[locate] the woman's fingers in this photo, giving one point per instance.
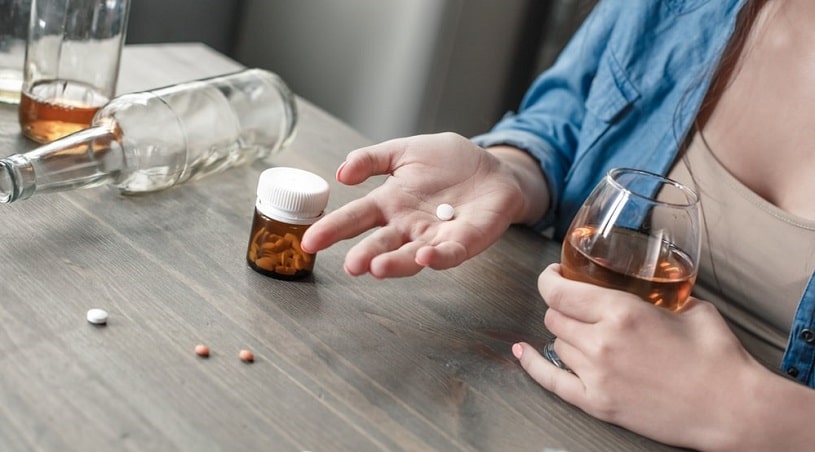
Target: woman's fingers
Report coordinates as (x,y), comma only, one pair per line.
(566,328)
(567,296)
(375,160)
(384,253)
(362,214)
(445,255)
(563,383)
(581,301)
(349,221)
(398,263)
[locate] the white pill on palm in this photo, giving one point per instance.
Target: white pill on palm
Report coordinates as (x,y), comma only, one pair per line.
(445,212)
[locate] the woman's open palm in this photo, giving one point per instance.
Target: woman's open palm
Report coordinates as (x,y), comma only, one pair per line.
(424,171)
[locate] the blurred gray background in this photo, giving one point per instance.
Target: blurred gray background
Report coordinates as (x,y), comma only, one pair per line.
(388,68)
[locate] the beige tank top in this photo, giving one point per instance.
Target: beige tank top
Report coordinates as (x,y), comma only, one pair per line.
(754,277)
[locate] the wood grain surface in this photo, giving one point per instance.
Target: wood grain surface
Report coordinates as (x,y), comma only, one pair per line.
(341,363)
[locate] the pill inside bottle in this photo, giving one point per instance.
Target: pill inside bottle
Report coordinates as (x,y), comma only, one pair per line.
(289,200)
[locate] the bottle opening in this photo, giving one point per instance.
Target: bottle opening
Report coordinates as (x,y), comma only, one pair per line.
(6,183)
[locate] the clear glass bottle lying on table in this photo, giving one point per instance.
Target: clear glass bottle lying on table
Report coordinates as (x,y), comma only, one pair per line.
(149,141)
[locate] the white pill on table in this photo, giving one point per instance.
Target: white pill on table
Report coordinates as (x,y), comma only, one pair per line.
(97,316)
(445,212)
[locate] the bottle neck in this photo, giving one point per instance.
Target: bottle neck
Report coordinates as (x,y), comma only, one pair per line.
(87,158)
(16,174)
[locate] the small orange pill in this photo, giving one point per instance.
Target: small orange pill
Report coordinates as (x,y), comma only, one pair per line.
(246,356)
(202,350)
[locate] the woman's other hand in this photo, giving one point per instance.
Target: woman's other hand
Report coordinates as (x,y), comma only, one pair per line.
(679,377)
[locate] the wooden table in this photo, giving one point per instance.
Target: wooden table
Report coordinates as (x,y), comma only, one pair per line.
(342,363)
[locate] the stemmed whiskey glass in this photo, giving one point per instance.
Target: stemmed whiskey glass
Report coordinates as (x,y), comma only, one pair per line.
(638,232)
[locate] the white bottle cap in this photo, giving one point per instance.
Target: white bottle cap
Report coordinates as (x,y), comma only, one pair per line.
(291,195)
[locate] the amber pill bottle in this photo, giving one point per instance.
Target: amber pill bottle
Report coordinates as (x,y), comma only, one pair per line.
(289,200)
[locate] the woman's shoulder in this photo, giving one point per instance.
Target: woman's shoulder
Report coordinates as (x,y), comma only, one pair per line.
(651,40)
(667,6)
(638,15)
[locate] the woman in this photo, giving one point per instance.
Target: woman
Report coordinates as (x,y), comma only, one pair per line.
(717,94)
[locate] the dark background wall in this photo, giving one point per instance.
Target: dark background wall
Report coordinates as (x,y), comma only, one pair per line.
(213,22)
(387,67)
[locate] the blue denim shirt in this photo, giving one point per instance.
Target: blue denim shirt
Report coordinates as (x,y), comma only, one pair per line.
(624,93)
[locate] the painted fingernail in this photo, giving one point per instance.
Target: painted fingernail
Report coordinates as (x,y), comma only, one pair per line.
(339,170)
(517,350)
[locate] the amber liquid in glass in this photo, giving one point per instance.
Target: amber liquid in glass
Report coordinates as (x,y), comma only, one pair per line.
(663,276)
(58,108)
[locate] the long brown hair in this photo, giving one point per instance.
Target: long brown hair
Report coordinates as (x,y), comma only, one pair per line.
(729,62)
(720,75)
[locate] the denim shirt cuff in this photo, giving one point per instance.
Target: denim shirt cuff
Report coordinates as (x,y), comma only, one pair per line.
(554,170)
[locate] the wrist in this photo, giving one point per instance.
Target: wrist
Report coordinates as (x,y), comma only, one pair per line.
(531,184)
(770,412)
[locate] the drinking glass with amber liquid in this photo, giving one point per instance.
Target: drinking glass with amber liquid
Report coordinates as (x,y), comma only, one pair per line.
(71,67)
(637,232)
